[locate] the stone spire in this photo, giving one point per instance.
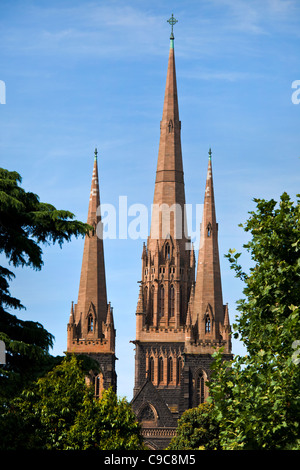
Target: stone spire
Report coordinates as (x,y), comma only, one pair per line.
(92,296)
(169,183)
(91,328)
(208,301)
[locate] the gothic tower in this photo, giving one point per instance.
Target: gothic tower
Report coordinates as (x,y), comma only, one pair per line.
(91,326)
(178,321)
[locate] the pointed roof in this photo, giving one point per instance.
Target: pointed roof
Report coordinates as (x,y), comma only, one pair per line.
(71,319)
(94,194)
(209,210)
(92,287)
(226,316)
(110,317)
(169,183)
(188,322)
(171,109)
(208,289)
(148,393)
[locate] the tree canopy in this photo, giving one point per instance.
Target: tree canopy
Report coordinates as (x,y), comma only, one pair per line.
(256,398)
(197,429)
(59,412)
(25,225)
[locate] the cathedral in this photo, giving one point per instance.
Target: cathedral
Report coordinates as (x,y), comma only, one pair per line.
(180,315)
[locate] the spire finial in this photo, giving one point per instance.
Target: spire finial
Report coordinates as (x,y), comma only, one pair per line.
(209,154)
(96,153)
(172,21)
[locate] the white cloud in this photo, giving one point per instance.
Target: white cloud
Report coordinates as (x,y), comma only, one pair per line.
(89,28)
(256,16)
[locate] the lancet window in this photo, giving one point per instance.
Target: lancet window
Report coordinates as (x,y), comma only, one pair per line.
(207,324)
(161,300)
(160,370)
(200,384)
(170,370)
(172,301)
(167,251)
(90,323)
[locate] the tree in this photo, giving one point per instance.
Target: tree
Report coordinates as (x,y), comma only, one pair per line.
(105,424)
(27,344)
(25,225)
(256,397)
(59,412)
(197,429)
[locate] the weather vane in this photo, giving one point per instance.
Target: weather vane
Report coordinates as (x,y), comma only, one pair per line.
(172,21)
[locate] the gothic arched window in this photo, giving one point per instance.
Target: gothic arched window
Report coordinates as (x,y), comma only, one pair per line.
(160,370)
(200,385)
(162,300)
(151,369)
(181,305)
(170,370)
(207,324)
(172,301)
(167,251)
(147,414)
(146,298)
(98,384)
(90,322)
(151,303)
(179,368)
(209,230)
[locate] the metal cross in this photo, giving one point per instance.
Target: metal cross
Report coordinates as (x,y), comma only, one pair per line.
(172,21)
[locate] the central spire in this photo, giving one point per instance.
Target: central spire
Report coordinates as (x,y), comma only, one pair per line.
(167,260)
(169,193)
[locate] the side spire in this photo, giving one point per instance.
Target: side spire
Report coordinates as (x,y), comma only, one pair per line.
(208,298)
(92,287)
(91,328)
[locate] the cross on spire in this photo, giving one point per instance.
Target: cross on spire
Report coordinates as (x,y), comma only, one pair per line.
(172,21)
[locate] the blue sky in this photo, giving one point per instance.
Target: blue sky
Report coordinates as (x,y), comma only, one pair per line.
(82,74)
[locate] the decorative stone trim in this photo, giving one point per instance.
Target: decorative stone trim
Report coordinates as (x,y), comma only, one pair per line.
(158,432)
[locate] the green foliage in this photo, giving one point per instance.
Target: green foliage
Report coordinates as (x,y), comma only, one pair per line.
(59,412)
(105,424)
(41,416)
(25,224)
(27,356)
(256,397)
(197,429)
